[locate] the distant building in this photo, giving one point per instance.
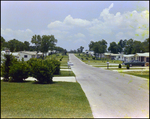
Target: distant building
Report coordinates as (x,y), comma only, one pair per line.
(89,52)
(142,57)
(129,57)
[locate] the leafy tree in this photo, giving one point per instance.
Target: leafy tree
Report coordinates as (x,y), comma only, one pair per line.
(91,45)
(129,46)
(36,39)
(60,49)
(26,45)
(121,45)
(81,48)
(15,45)
(3,43)
(32,48)
(137,47)
(78,50)
(48,42)
(145,45)
(113,47)
(8,61)
(99,46)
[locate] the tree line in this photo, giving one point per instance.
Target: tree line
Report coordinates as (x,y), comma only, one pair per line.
(127,46)
(41,43)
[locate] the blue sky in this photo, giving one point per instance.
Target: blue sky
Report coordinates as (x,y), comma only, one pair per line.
(75,23)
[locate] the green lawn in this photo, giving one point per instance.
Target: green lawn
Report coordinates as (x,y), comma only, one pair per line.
(90,61)
(57,100)
(65,73)
(144,74)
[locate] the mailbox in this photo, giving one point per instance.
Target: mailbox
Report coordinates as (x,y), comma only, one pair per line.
(107,65)
(70,64)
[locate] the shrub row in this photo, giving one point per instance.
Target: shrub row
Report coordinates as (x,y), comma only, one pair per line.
(42,70)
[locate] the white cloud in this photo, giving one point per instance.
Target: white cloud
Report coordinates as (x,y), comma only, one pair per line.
(76,22)
(115,25)
(80,41)
(21,35)
(58,25)
(105,13)
(79,35)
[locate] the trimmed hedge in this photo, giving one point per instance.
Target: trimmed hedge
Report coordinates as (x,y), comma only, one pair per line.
(128,67)
(43,71)
(19,71)
(57,66)
(119,66)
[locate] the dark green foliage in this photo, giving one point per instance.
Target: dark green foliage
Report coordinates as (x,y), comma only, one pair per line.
(82,58)
(31,60)
(43,71)
(86,58)
(128,67)
(19,71)
(8,61)
(119,66)
(56,65)
(93,58)
(61,58)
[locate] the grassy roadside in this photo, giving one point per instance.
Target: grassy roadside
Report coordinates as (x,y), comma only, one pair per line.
(63,64)
(144,74)
(102,63)
(65,73)
(57,100)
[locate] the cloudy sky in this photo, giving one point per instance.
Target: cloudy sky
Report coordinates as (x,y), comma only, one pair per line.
(75,23)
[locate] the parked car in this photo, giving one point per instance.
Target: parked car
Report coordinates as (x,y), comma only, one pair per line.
(134,63)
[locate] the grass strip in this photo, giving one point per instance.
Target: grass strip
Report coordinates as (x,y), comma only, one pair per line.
(143,74)
(65,73)
(57,100)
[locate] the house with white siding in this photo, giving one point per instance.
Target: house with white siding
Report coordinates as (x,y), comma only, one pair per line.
(22,54)
(113,56)
(89,52)
(143,57)
(129,57)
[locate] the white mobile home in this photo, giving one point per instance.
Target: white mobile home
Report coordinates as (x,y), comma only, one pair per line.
(142,57)
(89,52)
(129,57)
(27,55)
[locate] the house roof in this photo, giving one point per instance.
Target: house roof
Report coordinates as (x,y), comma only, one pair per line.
(107,53)
(111,54)
(130,55)
(146,54)
(114,54)
(15,53)
(40,53)
(29,52)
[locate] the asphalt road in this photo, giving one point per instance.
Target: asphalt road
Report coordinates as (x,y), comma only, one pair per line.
(112,94)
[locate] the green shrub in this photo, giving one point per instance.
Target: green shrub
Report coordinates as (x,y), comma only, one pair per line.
(19,71)
(31,60)
(5,67)
(61,58)
(86,58)
(128,67)
(119,66)
(56,66)
(43,71)
(93,58)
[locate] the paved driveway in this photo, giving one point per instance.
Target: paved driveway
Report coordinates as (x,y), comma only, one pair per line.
(112,94)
